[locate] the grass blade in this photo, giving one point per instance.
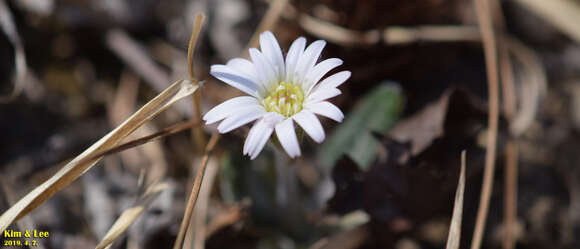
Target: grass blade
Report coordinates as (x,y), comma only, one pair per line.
(130,215)
(455,228)
(79,165)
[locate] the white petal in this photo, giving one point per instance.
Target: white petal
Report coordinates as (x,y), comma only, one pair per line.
(235,79)
(320,94)
(273,53)
(326,109)
(334,80)
(287,137)
(241,117)
(294,54)
(262,137)
(245,67)
(318,71)
(263,67)
(252,138)
(227,108)
(308,121)
(308,59)
(260,133)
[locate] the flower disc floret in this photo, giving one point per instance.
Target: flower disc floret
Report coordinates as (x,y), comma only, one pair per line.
(285,99)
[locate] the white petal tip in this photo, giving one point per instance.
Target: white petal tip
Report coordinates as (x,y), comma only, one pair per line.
(319,140)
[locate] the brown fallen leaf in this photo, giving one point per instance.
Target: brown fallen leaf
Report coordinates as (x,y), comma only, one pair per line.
(418,173)
(428,124)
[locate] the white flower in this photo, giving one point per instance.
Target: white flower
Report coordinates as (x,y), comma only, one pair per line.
(281,92)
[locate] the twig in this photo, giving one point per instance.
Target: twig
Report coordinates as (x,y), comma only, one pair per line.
(391,36)
(486,28)
(197,132)
(195,192)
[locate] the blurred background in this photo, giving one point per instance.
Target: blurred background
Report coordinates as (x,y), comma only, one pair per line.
(384,178)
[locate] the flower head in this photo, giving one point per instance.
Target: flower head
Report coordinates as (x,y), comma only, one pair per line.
(281,92)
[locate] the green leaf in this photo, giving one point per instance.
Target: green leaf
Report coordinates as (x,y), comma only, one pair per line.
(377,111)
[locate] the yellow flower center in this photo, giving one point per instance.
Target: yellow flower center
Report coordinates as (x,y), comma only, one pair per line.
(285,99)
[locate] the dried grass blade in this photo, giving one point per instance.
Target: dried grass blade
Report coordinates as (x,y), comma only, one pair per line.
(130,215)
(564,14)
(26,222)
(79,165)
(268,22)
(455,228)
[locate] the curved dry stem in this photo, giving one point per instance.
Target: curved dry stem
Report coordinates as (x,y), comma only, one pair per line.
(534,87)
(490,51)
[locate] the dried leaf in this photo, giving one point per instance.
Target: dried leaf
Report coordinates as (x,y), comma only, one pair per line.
(564,14)
(429,123)
(455,227)
(130,215)
(80,164)
(418,174)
